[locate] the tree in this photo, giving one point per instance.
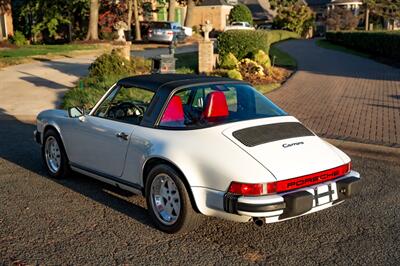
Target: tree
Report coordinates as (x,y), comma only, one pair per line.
(341,19)
(56,19)
(297,18)
(93,31)
(138,36)
(171,10)
(387,9)
(129,14)
(240,13)
(189,13)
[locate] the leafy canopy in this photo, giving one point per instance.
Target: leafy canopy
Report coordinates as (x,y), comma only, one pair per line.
(297,18)
(240,13)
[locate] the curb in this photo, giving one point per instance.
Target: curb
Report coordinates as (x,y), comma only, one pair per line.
(367,150)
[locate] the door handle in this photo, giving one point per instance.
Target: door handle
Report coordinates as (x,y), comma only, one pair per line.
(122,135)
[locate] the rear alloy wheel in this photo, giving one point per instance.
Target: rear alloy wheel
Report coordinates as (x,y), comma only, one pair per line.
(168,201)
(54,155)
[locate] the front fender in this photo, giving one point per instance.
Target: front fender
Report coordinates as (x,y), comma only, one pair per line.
(50,118)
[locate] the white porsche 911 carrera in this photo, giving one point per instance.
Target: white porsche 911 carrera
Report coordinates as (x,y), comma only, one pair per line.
(198,145)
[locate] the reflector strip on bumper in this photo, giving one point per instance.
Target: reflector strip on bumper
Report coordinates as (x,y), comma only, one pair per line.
(311,179)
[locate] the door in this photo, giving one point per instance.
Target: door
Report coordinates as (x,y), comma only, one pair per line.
(99,141)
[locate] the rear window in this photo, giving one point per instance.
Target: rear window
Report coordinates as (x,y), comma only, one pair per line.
(160,25)
(204,106)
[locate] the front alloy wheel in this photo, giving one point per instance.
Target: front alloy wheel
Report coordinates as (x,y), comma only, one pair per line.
(54,155)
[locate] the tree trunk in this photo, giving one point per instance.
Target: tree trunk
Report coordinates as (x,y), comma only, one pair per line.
(93,31)
(137,23)
(129,14)
(367,18)
(171,10)
(189,13)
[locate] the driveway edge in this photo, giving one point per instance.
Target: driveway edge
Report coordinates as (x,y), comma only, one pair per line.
(367,150)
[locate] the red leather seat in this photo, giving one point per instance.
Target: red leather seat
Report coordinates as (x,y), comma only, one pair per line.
(174,113)
(215,106)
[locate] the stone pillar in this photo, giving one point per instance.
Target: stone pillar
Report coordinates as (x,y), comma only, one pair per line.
(206,56)
(124,50)
(206,50)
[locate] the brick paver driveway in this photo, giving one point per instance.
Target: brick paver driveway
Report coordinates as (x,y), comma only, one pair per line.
(342,96)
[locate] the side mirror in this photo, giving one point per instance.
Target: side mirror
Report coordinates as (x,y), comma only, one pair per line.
(75,112)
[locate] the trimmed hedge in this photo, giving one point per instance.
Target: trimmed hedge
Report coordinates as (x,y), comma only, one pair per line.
(379,43)
(245,43)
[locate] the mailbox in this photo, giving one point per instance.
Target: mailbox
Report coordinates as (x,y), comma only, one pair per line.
(163,64)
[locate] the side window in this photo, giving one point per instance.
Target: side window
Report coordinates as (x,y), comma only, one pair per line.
(231,98)
(125,104)
(200,97)
(184,95)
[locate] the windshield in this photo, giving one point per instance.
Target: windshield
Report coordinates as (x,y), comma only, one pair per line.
(204,106)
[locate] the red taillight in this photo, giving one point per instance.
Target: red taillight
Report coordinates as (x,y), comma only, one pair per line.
(170,32)
(247,189)
(150,31)
(308,180)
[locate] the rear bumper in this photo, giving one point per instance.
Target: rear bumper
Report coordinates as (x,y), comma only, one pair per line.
(159,38)
(294,203)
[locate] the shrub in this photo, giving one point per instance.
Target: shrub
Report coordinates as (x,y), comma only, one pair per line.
(263,59)
(240,13)
(383,43)
(228,61)
(296,18)
(281,35)
(104,71)
(184,70)
(245,43)
(242,43)
(248,67)
(109,65)
(18,39)
(234,74)
(341,19)
(82,97)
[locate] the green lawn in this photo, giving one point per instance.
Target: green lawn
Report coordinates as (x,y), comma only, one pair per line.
(282,59)
(35,50)
(265,88)
(188,61)
(328,45)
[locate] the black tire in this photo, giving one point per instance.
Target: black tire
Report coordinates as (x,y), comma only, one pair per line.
(188,219)
(64,169)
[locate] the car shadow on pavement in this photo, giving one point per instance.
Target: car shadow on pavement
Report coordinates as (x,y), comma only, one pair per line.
(41,82)
(18,149)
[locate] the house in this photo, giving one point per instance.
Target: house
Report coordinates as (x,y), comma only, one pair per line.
(216,11)
(260,9)
(322,7)
(6,23)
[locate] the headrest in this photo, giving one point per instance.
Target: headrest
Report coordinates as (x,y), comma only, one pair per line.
(216,105)
(174,112)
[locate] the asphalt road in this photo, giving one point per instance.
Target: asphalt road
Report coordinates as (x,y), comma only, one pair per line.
(82,221)
(154,52)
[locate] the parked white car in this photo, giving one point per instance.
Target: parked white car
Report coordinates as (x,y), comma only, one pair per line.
(239,26)
(198,145)
(188,31)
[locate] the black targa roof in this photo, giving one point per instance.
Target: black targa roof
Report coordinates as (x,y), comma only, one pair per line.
(169,81)
(163,85)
